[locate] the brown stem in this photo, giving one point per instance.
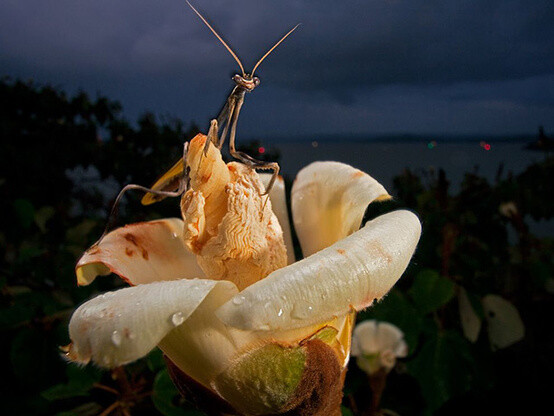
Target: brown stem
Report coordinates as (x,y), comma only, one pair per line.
(105,388)
(110,409)
(377,382)
(119,375)
(353,405)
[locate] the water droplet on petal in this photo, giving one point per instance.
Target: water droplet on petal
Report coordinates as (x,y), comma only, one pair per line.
(177,318)
(302,310)
(238,300)
(116,338)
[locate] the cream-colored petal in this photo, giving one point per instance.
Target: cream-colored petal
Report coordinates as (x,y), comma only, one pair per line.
(401,349)
(505,326)
(278,198)
(363,339)
(388,336)
(122,326)
(329,200)
(141,253)
(203,346)
(471,323)
(350,273)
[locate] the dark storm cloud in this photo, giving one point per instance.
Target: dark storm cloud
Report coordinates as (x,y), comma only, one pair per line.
(354,66)
(422,42)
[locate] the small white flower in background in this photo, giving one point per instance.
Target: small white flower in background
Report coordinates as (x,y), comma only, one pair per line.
(377,345)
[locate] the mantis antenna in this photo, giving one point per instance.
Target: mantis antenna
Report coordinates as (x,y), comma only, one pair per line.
(220,38)
(273,47)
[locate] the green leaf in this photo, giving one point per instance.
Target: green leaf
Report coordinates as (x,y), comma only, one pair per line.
(346,411)
(155,360)
(80,233)
(443,367)
(81,380)
(24,211)
(42,216)
(165,395)
(431,291)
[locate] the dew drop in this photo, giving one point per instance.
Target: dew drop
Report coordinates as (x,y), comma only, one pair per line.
(116,338)
(177,318)
(302,310)
(238,300)
(280,313)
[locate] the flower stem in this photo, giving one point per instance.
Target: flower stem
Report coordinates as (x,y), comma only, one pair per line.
(377,382)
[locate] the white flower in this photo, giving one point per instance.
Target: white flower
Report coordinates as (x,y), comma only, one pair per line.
(376,345)
(266,347)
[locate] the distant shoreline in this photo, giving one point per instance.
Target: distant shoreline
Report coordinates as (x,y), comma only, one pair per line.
(401,138)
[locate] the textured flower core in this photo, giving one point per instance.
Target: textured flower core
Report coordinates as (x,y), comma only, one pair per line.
(229,225)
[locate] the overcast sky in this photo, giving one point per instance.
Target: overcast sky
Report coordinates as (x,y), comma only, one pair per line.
(360,67)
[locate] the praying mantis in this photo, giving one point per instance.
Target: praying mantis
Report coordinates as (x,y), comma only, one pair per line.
(174,182)
(171,183)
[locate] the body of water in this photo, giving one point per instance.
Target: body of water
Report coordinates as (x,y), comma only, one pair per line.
(385,160)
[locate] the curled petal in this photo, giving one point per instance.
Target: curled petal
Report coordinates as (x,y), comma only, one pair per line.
(329,200)
(122,326)
(140,253)
(278,199)
(350,273)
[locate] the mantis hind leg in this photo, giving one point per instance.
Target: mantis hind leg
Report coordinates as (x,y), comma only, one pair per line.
(247,159)
(183,186)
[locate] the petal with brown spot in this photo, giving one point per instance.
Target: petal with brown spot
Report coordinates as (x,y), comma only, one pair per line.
(141,253)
